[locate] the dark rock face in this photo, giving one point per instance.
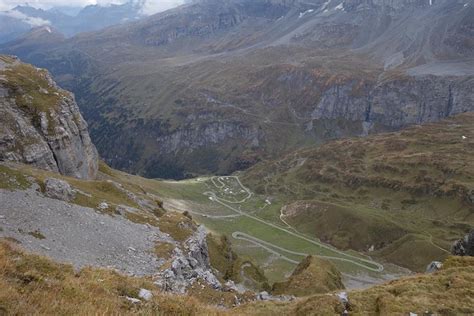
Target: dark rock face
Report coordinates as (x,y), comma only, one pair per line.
(464,246)
(41,124)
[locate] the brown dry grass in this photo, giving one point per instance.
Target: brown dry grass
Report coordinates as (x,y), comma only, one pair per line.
(311,276)
(33,285)
(446,292)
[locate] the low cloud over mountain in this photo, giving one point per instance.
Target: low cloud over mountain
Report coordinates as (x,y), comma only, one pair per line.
(149,6)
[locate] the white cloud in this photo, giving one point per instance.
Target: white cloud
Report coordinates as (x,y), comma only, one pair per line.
(34,22)
(150,6)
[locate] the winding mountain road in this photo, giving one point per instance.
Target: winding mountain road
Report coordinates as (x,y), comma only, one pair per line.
(360,262)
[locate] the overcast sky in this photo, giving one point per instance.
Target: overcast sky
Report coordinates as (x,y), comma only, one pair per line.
(152,6)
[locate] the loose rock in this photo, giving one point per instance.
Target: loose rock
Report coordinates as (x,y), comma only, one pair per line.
(145,294)
(59,189)
(434,266)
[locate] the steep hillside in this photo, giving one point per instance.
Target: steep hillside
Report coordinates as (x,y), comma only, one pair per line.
(447,292)
(401,196)
(31,284)
(208,87)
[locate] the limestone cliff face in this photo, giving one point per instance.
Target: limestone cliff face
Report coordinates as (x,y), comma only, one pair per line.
(397,103)
(40,124)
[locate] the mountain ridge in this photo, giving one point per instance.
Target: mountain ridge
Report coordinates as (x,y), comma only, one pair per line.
(207,80)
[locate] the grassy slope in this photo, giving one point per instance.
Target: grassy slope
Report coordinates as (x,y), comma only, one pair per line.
(232,267)
(418,181)
(447,292)
(31,284)
(311,276)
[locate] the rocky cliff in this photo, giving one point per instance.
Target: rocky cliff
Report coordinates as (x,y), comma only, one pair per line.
(41,124)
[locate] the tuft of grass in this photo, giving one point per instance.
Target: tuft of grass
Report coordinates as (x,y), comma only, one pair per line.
(178,226)
(11,179)
(100,191)
(142,218)
(164,250)
(104,168)
(37,234)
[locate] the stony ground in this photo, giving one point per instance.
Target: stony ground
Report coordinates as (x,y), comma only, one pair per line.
(78,235)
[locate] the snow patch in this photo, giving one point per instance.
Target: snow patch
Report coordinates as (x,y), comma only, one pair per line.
(302,14)
(325,5)
(340,7)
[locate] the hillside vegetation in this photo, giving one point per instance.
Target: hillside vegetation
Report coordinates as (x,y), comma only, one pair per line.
(402,196)
(311,276)
(447,292)
(30,284)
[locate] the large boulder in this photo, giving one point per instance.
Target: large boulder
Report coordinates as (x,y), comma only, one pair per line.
(59,189)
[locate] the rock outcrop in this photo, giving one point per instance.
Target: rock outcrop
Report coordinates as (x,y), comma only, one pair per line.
(58,189)
(189,266)
(464,246)
(40,124)
(434,266)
